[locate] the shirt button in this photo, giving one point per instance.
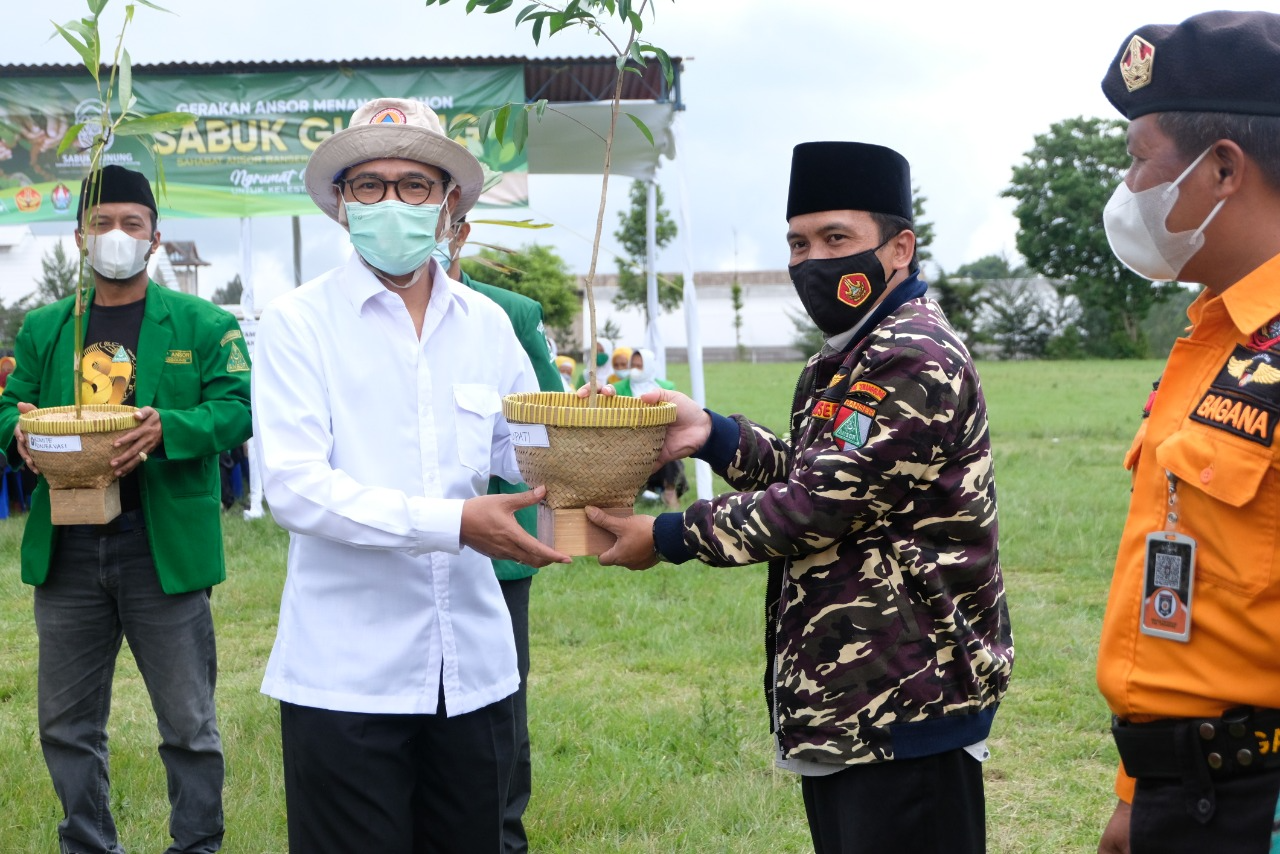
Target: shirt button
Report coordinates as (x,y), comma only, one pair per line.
(1206,475)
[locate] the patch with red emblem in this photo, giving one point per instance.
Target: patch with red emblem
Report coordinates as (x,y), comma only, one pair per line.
(853,289)
(28,199)
(1136,64)
(852,426)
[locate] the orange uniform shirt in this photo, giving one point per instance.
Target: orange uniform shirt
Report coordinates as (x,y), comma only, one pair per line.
(1213,425)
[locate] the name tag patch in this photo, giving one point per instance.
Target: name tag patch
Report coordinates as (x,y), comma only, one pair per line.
(1241,416)
(178,357)
(824,409)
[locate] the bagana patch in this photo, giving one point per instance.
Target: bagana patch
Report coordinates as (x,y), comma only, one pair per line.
(236,362)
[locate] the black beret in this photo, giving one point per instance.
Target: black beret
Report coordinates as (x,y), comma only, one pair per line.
(1215,62)
(849,176)
(117,185)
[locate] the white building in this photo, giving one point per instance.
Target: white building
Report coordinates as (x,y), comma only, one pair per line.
(769,302)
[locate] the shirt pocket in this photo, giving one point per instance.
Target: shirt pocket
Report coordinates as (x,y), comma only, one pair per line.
(475,411)
(1222,504)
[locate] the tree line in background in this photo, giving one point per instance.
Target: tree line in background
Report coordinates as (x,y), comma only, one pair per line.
(1072,298)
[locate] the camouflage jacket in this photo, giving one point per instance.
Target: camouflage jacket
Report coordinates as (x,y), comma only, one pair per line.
(887,631)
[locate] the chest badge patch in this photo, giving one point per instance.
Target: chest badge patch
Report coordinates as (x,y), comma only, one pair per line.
(1255,369)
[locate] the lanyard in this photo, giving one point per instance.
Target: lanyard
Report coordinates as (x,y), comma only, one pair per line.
(1171,514)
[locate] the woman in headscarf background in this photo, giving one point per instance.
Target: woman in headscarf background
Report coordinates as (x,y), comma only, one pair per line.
(670,479)
(566,366)
(621,363)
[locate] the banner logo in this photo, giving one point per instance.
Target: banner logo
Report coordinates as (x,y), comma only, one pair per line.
(28,199)
(61,197)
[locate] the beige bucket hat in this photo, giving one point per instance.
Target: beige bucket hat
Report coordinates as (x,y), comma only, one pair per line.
(391,127)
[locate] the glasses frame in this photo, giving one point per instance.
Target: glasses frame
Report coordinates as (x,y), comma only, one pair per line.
(432,183)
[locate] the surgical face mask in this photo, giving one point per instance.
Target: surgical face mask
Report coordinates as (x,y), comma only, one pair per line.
(443,257)
(637,374)
(1139,238)
(392,236)
(838,292)
(116,255)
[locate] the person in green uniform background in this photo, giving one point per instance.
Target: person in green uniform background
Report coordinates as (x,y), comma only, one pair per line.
(147,573)
(516,579)
(670,480)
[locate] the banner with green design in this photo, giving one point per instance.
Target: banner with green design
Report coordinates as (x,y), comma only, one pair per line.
(245,153)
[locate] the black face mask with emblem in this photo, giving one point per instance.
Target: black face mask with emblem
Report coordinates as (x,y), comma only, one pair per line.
(838,292)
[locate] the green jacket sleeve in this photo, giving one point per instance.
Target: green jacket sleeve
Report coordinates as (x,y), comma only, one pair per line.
(220,418)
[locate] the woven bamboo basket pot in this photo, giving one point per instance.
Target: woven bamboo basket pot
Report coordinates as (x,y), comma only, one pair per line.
(78,451)
(599,455)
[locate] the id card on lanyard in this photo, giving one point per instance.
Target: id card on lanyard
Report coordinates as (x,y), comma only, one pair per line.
(1168,577)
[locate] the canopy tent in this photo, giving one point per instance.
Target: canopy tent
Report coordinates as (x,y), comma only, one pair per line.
(256,123)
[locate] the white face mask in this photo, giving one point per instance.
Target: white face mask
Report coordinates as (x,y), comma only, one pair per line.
(116,255)
(1136,230)
(637,375)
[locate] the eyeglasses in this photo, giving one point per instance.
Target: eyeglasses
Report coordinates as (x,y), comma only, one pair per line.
(370,189)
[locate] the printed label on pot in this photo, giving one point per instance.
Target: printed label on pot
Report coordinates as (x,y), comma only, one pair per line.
(530,435)
(53,444)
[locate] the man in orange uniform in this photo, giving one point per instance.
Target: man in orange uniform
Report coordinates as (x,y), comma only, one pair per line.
(1189,658)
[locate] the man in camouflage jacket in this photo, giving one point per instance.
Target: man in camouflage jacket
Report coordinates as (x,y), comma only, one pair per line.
(887,632)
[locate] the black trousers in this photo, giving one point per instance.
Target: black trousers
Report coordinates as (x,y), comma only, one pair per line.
(396,784)
(515,840)
(1243,821)
(931,805)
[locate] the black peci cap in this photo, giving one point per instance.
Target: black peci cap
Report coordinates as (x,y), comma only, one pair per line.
(117,185)
(849,176)
(1215,62)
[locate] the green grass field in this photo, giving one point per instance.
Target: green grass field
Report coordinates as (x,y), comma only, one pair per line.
(648,725)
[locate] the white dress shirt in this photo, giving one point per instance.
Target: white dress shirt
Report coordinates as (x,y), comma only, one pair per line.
(370,440)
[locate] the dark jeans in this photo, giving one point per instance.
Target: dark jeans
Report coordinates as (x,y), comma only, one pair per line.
(396,784)
(514,839)
(930,805)
(1244,819)
(99,589)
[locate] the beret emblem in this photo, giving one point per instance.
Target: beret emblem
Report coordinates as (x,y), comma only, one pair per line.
(1135,65)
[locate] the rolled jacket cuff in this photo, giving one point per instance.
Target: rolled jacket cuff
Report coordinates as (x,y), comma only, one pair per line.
(722,444)
(668,538)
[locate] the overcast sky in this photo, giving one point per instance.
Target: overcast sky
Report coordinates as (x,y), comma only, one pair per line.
(961,89)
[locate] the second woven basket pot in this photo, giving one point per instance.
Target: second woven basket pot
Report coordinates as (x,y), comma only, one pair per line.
(599,455)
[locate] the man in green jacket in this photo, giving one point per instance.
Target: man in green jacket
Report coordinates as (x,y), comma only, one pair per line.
(514,578)
(145,575)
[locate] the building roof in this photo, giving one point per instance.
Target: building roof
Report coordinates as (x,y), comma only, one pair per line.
(560,80)
(183,253)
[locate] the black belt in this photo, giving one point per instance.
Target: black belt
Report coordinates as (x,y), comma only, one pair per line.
(130,520)
(1243,741)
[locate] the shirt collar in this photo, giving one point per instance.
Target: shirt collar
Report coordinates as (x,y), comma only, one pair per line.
(362,285)
(1254,301)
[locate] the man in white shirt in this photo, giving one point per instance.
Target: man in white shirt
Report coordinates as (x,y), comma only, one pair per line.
(378,389)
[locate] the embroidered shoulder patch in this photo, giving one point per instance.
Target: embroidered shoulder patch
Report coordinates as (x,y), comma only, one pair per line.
(236,361)
(863,387)
(824,409)
(230,336)
(852,429)
(178,357)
